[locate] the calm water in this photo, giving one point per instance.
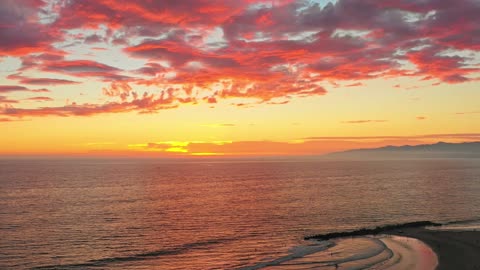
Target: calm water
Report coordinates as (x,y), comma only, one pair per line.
(144,214)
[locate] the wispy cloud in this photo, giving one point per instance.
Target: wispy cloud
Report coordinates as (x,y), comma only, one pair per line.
(305,146)
(469,136)
(217,125)
(39,99)
(472,112)
(363,121)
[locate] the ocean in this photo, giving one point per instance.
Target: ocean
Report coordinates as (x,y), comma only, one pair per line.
(210,213)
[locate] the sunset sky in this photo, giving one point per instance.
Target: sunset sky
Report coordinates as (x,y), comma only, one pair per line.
(180,78)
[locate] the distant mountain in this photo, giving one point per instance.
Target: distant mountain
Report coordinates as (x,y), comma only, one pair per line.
(437,150)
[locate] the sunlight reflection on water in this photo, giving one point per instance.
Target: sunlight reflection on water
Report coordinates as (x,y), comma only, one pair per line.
(148,214)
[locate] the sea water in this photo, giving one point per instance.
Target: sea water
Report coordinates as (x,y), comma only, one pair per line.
(219,214)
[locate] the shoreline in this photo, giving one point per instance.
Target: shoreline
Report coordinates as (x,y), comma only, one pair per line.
(455,249)
(372,231)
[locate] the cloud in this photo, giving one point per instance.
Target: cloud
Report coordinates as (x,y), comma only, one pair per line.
(237,148)
(449,69)
(467,136)
(472,112)
(217,125)
(145,13)
(5,120)
(6,100)
(83,68)
(18,88)
(47,81)
(40,99)
(307,146)
(151,69)
(40,81)
(79,67)
(421,117)
(12,88)
(363,121)
(262,52)
(93,39)
(41,90)
(21,32)
(147,103)
(354,84)
(118,89)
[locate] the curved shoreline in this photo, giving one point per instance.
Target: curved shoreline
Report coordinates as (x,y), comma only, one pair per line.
(454,249)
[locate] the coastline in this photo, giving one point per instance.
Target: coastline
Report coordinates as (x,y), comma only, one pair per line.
(455,249)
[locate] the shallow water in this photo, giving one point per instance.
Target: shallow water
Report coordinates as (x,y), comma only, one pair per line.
(366,252)
(471,225)
(146,214)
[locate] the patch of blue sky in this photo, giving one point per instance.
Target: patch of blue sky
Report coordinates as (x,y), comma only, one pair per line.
(350,33)
(9,64)
(305,36)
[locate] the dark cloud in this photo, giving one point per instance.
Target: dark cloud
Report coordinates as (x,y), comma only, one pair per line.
(20,30)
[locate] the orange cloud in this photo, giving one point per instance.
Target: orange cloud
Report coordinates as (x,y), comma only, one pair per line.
(308,146)
(266,52)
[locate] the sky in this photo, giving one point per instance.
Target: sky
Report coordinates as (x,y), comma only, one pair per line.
(177,78)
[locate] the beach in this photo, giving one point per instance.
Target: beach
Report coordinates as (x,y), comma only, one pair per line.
(454,249)
(415,245)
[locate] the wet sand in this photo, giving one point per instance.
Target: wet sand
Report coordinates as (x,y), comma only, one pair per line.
(456,244)
(454,249)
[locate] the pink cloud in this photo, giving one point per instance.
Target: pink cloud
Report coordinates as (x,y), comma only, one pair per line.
(47,81)
(21,32)
(39,99)
(145,104)
(6,100)
(12,88)
(18,88)
(354,84)
(264,51)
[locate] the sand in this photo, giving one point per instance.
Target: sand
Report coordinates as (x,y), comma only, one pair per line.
(454,249)
(456,244)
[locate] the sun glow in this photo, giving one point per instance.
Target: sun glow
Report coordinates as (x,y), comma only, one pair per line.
(234,78)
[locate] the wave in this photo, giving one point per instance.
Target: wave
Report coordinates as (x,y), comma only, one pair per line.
(373,252)
(366,248)
(296,253)
(358,249)
(139,256)
(372,231)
